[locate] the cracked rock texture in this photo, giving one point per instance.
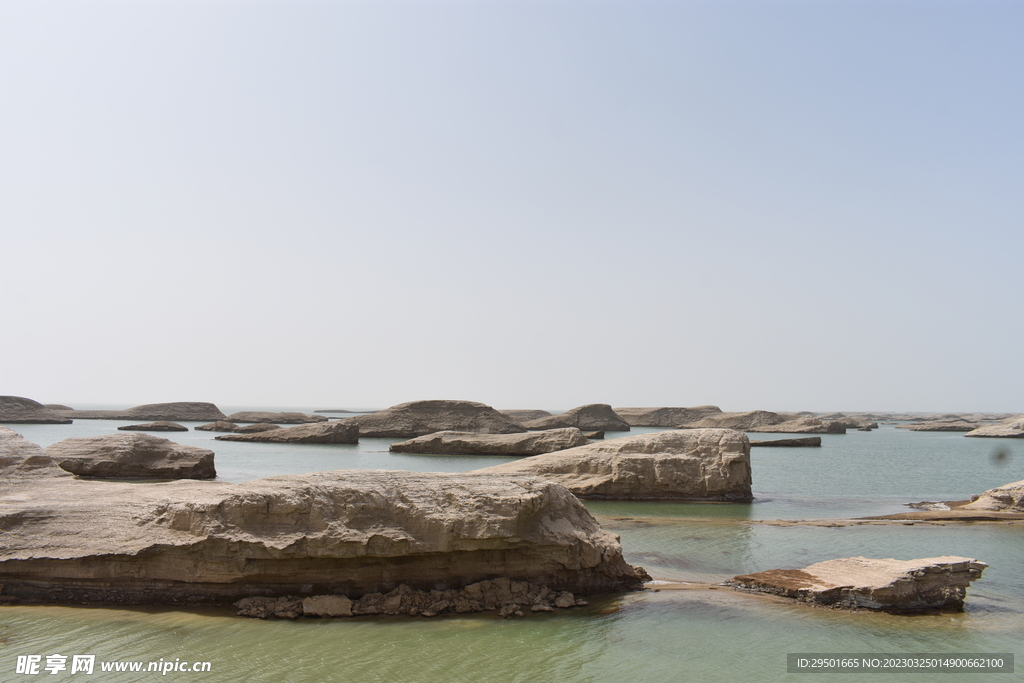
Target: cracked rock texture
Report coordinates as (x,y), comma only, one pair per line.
(687,464)
(468,443)
(860,582)
(347,533)
(408,420)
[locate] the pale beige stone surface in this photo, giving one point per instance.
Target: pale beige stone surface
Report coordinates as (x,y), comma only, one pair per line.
(470,443)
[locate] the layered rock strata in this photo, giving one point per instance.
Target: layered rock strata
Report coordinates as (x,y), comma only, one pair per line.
(19,410)
(322,433)
(666,417)
(522,416)
(803,425)
(136,456)
(591,417)
(182,411)
(509,598)
(350,533)
(859,582)
(218,426)
(408,420)
(19,456)
(469,443)
(1009,497)
(276,418)
(940,426)
(740,421)
(694,464)
(1010,428)
(160,426)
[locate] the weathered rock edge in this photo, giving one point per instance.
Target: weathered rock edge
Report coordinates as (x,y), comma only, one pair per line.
(687,464)
(348,533)
(509,598)
(319,433)
(887,585)
(137,455)
(416,418)
(470,443)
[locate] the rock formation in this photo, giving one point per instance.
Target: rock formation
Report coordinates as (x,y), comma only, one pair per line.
(1009,497)
(591,417)
(470,443)
(851,422)
(179,412)
(18,410)
(955,425)
(256,427)
(508,598)
(19,456)
(694,464)
(811,441)
(350,533)
(278,418)
(408,420)
(803,425)
(218,426)
(741,421)
(139,456)
(321,433)
(859,582)
(522,416)
(161,426)
(666,417)
(1010,428)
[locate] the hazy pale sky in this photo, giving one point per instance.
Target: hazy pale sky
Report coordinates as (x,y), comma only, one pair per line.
(781,205)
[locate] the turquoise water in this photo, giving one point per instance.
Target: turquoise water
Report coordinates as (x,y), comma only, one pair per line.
(650,636)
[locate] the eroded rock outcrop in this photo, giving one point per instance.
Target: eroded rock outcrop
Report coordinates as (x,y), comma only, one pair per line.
(256,428)
(509,598)
(955,425)
(1009,497)
(321,433)
(19,410)
(276,418)
(522,416)
(743,422)
(19,456)
(182,411)
(470,443)
(218,426)
(350,533)
(803,425)
(692,464)
(137,456)
(666,417)
(160,426)
(1009,429)
(591,417)
(408,420)
(859,582)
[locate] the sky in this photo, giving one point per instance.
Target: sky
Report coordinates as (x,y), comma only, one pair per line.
(755,204)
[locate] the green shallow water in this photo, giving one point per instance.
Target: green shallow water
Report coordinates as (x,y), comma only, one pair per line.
(651,636)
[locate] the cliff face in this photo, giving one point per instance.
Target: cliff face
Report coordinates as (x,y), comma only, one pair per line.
(348,533)
(688,464)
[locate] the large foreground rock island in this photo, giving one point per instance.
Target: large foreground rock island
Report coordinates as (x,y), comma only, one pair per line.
(347,533)
(322,433)
(137,456)
(860,582)
(688,464)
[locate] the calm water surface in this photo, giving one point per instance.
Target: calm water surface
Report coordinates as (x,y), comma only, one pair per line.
(648,636)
